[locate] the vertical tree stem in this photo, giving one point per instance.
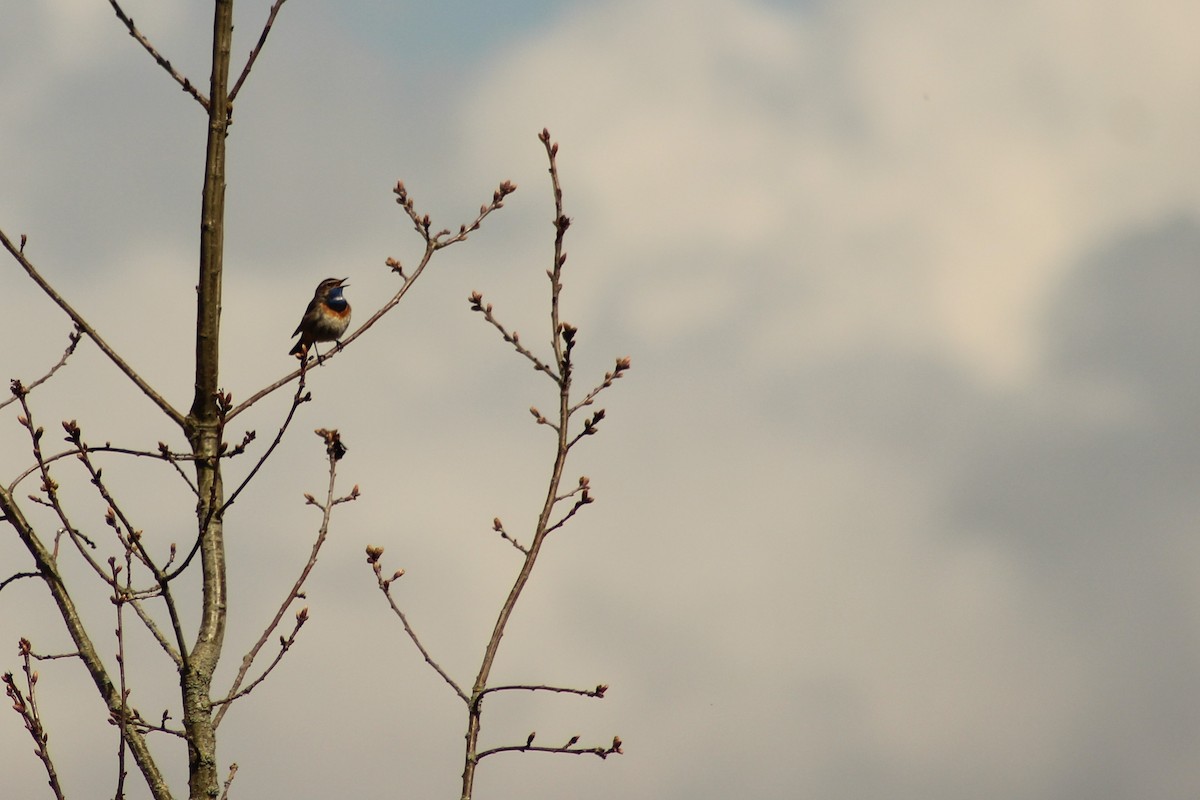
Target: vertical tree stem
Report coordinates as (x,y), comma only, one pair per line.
(204,432)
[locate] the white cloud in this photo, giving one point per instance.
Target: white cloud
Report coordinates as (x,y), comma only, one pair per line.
(919,174)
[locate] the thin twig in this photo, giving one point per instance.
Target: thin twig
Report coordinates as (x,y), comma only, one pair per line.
(152,626)
(285,644)
(18,576)
(49,486)
(599,691)
(262,39)
(131,539)
(53,656)
(162,62)
(108,448)
(74,337)
(123,718)
(297,399)
(83,325)
(477,304)
(569,749)
(385,585)
(233,768)
(498,526)
(145,727)
(334,449)
(580,503)
(26,706)
(609,377)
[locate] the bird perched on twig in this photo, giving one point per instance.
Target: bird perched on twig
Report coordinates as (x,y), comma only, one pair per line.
(325,319)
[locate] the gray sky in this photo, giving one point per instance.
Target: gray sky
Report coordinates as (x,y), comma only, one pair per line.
(898,501)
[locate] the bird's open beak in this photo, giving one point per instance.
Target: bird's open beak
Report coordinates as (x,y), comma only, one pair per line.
(343,283)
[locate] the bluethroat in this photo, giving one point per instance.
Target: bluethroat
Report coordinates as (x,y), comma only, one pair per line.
(325,319)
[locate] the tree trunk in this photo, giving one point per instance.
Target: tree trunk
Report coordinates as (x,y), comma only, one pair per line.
(204,430)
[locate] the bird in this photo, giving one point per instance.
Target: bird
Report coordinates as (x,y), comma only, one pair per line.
(325,319)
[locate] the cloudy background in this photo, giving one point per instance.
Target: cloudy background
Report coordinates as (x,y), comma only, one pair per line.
(898,501)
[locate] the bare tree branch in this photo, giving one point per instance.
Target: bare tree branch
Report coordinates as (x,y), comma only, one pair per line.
(108,448)
(561,371)
(27,708)
(477,304)
(74,341)
(18,576)
(385,585)
(335,449)
(262,39)
(300,397)
(162,62)
(83,325)
(131,540)
(599,691)
(48,568)
(569,749)
(122,719)
(285,644)
(233,768)
(498,526)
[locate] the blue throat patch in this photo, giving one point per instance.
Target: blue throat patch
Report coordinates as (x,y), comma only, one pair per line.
(335,300)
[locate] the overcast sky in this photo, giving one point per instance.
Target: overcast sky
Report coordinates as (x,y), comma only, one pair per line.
(898,501)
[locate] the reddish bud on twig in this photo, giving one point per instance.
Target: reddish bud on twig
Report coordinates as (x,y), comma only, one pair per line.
(529,740)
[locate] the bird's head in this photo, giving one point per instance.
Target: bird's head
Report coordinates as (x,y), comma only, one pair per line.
(332,287)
